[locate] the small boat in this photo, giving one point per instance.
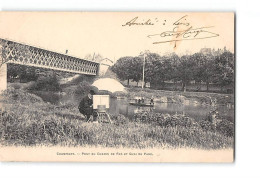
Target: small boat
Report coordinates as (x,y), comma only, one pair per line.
(141,104)
(138,101)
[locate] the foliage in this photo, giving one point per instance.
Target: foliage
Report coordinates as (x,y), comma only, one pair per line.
(12,95)
(82,88)
(128,68)
(152,68)
(119,120)
(170,63)
(23,73)
(223,127)
(95,57)
(217,67)
(47,82)
(204,68)
(186,70)
(224,68)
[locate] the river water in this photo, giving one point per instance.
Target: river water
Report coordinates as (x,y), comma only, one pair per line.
(122,106)
(196,111)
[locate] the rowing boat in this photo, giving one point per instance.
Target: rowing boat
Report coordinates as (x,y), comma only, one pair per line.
(141,104)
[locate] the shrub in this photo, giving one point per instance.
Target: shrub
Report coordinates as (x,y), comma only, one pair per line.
(82,88)
(165,120)
(119,119)
(47,83)
(206,125)
(15,96)
(225,127)
(16,85)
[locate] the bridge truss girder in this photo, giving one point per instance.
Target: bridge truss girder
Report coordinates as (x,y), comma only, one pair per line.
(17,53)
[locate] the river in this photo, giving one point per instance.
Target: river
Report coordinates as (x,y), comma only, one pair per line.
(122,106)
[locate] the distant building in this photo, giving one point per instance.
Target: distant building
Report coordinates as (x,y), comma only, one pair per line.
(104,65)
(205,51)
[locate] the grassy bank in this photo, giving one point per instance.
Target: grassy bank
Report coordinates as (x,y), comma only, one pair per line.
(28,121)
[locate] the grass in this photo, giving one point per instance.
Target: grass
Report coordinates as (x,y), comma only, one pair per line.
(28,121)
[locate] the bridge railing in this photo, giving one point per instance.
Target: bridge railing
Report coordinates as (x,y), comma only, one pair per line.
(18,53)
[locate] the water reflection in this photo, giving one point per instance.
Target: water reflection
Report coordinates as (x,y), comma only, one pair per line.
(122,106)
(193,110)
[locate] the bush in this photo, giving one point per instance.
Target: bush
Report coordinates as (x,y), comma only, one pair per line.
(16,96)
(119,119)
(47,83)
(82,88)
(206,125)
(225,127)
(16,85)
(166,120)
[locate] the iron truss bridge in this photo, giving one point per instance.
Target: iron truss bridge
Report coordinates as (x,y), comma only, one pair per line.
(18,53)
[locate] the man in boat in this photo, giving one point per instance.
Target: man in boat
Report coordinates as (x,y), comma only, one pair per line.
(151,102)
(86,105)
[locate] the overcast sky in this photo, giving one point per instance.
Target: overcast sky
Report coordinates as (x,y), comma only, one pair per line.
(103,33)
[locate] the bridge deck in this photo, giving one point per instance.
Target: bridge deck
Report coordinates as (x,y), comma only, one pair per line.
(19,53)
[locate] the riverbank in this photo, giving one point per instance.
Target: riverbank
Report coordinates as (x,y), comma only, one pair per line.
(36,123)
(160,96)
(179,96)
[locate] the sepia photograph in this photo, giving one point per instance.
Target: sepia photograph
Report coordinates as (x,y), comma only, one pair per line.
(117,86)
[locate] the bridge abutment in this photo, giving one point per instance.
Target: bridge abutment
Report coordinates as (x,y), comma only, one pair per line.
(3,77)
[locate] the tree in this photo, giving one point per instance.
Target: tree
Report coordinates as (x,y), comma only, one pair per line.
(169,67)
(208,73)
(127,68)
(13,71)
(47,81)
(121,68)
(152,69)
(157,69)
(24,73)
(135,66)
(186,70)
(204,69)
(95,57)
(217,67)
(224,69)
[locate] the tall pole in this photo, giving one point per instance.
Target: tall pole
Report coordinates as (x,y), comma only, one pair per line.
(143,73)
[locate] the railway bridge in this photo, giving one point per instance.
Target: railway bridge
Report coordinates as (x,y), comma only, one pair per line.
(23,54)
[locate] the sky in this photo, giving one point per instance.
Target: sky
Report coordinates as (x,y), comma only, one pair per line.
(110,35)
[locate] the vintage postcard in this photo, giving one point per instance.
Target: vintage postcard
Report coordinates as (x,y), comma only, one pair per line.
(117,86)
